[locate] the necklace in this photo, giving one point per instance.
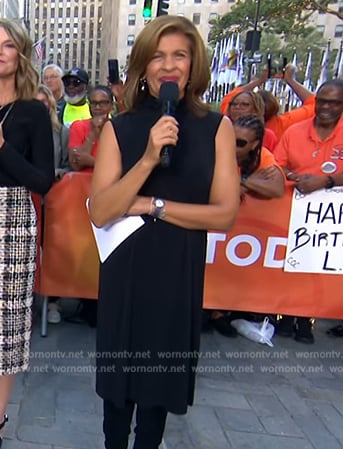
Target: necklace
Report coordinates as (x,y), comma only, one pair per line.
(6,114)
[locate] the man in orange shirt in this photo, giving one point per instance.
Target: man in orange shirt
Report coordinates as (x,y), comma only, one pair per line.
(311,151)
(311,154)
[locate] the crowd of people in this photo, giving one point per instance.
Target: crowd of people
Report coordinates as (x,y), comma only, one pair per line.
(64,124)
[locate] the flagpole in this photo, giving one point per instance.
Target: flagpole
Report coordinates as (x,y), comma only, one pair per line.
(254,39)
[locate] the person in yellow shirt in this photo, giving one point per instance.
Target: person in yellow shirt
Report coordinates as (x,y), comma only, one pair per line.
(76,89)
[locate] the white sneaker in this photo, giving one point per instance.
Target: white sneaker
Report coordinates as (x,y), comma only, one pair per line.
(54,316)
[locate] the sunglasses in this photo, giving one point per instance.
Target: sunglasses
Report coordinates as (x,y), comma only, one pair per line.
(241,143)
(75,82)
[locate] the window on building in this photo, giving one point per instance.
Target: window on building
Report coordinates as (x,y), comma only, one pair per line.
(231,1)
(214,1)
(132,2)
(196,18)
(213,16)
(197,1)
(130,40)
(339,31)
(340,6)
(321,12)
(131,19)
(321,29)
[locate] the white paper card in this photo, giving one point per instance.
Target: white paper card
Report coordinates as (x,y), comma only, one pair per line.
(109,237)
(315,236)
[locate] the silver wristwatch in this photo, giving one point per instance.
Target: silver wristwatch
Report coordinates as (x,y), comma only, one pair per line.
(159,208)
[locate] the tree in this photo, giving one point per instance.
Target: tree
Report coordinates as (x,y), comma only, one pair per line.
(322,6)
(284,26)
(282,17)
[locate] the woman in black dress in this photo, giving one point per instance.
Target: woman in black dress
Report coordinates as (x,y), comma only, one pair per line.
(26,164)
(151,286)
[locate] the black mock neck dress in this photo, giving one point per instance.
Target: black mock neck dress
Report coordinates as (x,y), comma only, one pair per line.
(151,286)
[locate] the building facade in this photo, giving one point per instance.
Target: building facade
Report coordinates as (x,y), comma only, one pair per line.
(87,33)
(131,20)
(9,9)
(330,26)
(73,30)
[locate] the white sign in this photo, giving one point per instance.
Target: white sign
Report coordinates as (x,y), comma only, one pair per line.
(315,236)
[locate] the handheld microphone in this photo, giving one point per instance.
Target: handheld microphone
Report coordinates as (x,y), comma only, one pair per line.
(169,95)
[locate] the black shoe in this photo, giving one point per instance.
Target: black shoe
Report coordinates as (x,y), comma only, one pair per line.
(2,426)
(303,331)
(285,327)
(206,326)
(336,331)
(86,312)
(223,326)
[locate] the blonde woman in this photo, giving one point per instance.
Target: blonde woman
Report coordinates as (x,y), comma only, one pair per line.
(26,164)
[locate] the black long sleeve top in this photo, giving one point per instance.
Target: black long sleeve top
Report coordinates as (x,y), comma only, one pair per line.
(27,156)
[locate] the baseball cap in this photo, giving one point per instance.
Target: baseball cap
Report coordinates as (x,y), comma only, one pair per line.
(78,73)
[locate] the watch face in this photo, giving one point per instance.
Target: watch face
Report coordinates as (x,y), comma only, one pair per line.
(159,203)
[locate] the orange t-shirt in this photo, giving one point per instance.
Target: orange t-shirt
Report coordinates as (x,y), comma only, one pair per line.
(301,150)
(268,160)
(281,122)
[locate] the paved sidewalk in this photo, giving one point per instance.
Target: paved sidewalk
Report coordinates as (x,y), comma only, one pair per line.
(248,396)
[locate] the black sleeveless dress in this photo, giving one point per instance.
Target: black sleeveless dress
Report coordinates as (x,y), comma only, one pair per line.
(151,286)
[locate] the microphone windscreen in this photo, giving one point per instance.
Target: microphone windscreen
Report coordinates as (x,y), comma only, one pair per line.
(169,92)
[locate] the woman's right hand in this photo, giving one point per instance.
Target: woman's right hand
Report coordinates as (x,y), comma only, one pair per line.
(164,132)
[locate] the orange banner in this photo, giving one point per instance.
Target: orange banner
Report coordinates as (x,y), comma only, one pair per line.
(70,263)
(244,268)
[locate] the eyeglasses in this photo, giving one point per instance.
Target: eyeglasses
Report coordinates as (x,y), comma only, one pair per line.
(102,104)
(239,104)
(241,143)
(75,82)
(51,77)
(334,103)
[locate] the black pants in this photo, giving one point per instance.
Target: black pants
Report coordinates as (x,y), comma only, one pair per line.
(150,424)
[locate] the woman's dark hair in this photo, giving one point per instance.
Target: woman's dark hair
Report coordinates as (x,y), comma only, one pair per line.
(254,123)
(101,88)
(271,104)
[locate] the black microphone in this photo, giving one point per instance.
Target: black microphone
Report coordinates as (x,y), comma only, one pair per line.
(169,95)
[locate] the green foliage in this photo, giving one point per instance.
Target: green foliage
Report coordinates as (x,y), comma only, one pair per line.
(284,26)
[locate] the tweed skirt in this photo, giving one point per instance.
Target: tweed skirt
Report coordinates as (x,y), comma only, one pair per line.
(18,245)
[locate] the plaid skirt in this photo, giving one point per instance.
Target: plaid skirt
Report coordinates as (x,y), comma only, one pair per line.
(18,237)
